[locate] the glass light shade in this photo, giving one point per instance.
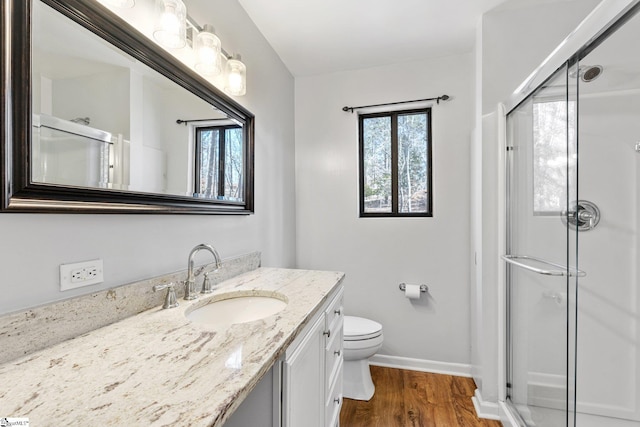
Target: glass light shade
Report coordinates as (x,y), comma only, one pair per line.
(124,4)
(236,77)
(170,23)
(207,48)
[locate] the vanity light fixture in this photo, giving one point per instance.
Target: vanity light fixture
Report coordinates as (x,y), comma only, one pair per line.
(170,23)
(207,49)
(236,77)
(235,72)
(175,29)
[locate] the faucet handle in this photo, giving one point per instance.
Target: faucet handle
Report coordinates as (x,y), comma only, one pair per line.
(170,301)
(157,288)
(206,285)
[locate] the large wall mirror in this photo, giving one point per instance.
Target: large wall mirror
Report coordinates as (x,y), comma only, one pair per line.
(98,118)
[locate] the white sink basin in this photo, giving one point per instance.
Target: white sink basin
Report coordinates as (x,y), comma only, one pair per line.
(237,307)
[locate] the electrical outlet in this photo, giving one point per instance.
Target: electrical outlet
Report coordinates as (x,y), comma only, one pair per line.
(81,274)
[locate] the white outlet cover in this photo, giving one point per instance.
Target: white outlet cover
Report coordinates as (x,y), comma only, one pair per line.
(66,271)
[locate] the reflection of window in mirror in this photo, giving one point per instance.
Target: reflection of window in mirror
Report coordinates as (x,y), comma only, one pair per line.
(219,162)
(550,155)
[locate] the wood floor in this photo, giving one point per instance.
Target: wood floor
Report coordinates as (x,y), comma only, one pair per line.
(415,399)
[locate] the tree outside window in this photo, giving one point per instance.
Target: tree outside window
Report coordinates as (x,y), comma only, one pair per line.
(552,125)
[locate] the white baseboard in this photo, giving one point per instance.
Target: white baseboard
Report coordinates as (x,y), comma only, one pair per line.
(487,410)
(457,369)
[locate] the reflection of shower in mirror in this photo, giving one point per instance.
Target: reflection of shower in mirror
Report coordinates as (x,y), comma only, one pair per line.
(69,152)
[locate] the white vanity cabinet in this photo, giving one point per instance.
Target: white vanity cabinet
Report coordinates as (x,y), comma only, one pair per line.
(312,370)
(304,388)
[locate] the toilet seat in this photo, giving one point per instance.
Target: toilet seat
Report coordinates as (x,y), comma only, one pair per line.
(360,329)
(354,349)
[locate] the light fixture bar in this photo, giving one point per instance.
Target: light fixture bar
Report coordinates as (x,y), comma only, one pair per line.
(191,23)
(235,70)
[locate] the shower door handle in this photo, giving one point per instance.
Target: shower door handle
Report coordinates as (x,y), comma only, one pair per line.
(560,270)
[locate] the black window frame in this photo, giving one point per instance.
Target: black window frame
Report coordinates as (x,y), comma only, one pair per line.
(394,164)
(222,132)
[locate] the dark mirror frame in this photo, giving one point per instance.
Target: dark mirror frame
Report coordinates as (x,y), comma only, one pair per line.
(19,194)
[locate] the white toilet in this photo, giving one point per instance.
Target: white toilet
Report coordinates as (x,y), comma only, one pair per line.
(362,339)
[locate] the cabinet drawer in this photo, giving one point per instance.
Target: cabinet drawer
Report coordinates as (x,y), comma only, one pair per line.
(334,401)
(333,357)
(334,333)
(334,312)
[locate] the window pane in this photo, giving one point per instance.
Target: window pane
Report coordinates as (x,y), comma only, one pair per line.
(209,159)
(233,164)
(550,155)
(376,134)
(412,163)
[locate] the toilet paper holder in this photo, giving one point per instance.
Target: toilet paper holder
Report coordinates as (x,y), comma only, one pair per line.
(423,288)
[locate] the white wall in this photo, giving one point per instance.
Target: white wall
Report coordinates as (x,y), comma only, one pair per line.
(518,36)
(103,97)
(513,40)
(379,253)
(139,246)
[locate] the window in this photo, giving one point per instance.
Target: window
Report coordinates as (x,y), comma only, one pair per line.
(550,127)
(219,163)
(395,164)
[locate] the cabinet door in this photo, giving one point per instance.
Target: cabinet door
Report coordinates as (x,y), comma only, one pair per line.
(304,380)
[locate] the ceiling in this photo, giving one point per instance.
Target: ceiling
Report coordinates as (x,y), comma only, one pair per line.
(325,36)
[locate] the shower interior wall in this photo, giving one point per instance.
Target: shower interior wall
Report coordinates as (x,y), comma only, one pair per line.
(608,339)
(608,376)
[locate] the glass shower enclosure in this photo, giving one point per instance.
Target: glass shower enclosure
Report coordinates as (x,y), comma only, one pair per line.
(572,249)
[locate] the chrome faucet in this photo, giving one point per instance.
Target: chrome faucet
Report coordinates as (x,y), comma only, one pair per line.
(189,291)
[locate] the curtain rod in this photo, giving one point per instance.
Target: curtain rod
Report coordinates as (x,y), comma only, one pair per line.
(437,99)
(180,121)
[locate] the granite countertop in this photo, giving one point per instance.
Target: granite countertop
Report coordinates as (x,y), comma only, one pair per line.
(159,368)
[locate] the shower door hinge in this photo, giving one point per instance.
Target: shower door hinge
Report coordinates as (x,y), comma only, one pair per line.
(509,147)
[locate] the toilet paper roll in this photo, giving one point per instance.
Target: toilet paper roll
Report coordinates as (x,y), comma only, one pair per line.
(412,291)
